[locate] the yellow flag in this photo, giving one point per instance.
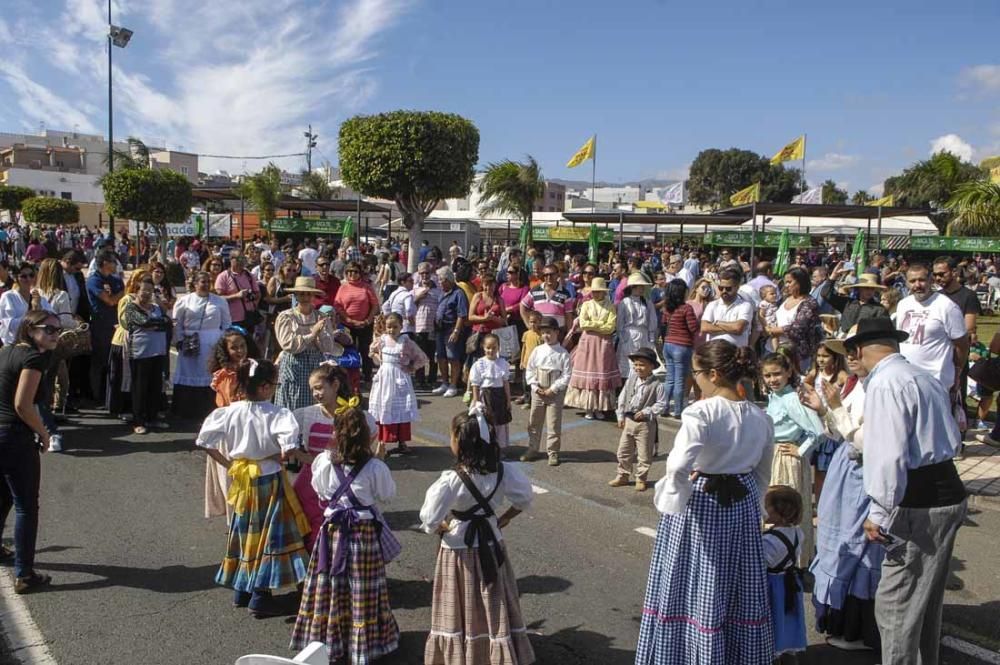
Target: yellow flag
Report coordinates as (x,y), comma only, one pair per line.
(995,175)
(794,150)
(885,202)
(583,154)
(747,195)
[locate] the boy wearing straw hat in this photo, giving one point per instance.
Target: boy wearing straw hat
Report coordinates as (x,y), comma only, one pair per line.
(866,306)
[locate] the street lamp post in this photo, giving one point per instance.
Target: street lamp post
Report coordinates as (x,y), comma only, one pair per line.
(117,36)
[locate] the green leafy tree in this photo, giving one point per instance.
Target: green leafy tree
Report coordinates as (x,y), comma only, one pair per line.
(263,190)
(413,158)
(11,198)
(49,211)
(931,183)
(315,185)
(832,194)
(716,175)
(157,197)
(861,197)
(975,209)
(511,188)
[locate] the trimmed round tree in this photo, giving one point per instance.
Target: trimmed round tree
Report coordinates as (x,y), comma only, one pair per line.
(49,211)
(414,158)
(11,198)
(157,197)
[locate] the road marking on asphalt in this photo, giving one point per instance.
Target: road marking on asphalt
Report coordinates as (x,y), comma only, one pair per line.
(646,531)
(970,649)
(22,633)
(539,490)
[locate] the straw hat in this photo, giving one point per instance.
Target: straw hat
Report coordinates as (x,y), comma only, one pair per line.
(598,284)
(305,285)
(636,279)
(865,281)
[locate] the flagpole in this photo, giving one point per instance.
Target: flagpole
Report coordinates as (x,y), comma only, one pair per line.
(593,178)
(804,184)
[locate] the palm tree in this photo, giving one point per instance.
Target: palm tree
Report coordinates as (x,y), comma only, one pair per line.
(136,157)
(861,197)
(316,186)
(976,209)
(833,195)
(511,188)
(263,190)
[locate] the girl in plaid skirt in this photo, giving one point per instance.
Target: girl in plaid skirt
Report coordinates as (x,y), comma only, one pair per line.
(251,438)
(475,612)
(345,601)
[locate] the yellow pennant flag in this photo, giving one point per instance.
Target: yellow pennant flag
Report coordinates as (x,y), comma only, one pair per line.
(995,175)
(794,150)
(583,154)
(885,202)
(747,195)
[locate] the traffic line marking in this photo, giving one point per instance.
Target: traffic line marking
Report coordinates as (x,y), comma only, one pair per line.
(646,531)
(22,633)
(970,649)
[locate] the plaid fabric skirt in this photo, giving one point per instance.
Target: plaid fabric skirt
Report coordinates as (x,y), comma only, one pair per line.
(706,598)
(595,380)
(471,623)
(351,614)
(790,471)
(293,373)
(265,549)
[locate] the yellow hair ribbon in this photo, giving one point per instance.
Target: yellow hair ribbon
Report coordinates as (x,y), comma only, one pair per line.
(344,404)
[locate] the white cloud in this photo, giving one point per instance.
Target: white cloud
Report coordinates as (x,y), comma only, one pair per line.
(42,104)
(984,78)
(676,173)
(954,144)
(877,189)
(832,161)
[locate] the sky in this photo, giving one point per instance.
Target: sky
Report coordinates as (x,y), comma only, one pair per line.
(875,86)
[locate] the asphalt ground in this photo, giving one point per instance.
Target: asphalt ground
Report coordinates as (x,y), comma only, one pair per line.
(133,560)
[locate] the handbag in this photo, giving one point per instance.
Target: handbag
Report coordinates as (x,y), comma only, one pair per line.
(191,343)
(74,342)
(472,343)
(510,346)
(986,372)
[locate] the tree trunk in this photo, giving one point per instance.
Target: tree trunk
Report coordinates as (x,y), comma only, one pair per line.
(413,220)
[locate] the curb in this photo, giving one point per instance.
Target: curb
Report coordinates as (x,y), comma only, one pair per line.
(25,640)
(984,502)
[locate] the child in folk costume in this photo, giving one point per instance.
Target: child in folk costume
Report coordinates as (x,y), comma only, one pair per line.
(531,338)
(797,431)
(251,438)
(637,322)
(229,353)
(331,389)
(345,600)
(828,368)
(490,381)
(392,400)
(642,399)
(596,376)
(782,549)
(475,612)
(547,375)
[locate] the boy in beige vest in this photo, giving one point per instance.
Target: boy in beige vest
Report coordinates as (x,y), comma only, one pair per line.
(642,399)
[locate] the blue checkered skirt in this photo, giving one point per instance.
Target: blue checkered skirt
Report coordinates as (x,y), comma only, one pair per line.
(707,598)
(293,373)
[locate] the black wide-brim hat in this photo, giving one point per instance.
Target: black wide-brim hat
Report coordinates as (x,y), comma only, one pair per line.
(645,354)
(873,329)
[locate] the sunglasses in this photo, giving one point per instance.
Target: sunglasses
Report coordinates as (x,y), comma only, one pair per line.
(940,274)
(589,272)
(352,272)
(26,275)
(322,265)
(49,330)
(549,274)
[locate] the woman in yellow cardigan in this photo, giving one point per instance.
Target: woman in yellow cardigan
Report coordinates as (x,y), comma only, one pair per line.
(595,378)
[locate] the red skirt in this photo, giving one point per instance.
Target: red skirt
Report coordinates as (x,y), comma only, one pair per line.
(394,432)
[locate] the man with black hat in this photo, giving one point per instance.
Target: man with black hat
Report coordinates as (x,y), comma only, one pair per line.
(918,499)
(641,400)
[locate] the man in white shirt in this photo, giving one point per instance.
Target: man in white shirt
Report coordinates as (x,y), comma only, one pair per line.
(762,279)
(730,316)
(938,340)
(308,257)
(918,499)
(675,270)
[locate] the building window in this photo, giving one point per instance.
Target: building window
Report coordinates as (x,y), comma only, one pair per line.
(67,195)
(184,170)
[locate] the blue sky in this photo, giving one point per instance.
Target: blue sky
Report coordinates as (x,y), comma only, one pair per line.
(875,86)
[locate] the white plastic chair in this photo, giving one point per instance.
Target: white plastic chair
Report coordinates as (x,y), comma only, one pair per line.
(314,654)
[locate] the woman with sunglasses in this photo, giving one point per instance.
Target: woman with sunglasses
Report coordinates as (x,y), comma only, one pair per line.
(277,299)
(357,305)
(22,437)
(14,304)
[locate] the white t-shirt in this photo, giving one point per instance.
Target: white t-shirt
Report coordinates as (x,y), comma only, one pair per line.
(251,430)
(933,325)
(308,257)
(740,310)
(487,373)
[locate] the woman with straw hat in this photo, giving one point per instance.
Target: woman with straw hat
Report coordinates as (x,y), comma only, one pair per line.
(637,324)
(304,335)
(595,377)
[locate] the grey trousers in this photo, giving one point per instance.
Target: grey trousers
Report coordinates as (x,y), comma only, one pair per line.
(545,411)
(910,596)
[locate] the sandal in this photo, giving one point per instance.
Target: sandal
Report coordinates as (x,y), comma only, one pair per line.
(6,553)
(140,430)
(30,583)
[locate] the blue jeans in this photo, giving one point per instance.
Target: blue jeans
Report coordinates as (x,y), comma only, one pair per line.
(678,362)
(20,474)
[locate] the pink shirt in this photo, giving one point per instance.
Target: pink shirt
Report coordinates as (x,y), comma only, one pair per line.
(512,297)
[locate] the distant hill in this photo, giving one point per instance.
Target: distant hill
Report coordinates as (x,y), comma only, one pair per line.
(648,183)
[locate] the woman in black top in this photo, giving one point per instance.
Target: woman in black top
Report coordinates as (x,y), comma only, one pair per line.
(23,436)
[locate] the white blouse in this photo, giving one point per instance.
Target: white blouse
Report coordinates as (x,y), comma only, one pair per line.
(449,493)
(487,373)
(193,313)
(717,436)
(373,484)
(12,309)
(251,430)
(845,421)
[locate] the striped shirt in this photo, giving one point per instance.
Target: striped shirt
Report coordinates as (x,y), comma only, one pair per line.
(426,307)
(557,305)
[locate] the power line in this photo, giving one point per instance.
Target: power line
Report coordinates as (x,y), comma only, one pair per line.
(291,154)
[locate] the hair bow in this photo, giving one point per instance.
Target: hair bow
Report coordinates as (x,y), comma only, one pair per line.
(332,362)
(476,409)
(238,329)
(253,366)
(344,404)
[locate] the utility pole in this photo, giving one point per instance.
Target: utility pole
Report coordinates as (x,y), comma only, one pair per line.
(310,144)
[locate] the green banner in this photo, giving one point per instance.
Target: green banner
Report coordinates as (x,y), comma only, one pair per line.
(765,239)
(949,244)
(569,234)
(314,225)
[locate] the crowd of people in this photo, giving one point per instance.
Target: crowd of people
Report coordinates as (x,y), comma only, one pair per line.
(306,359)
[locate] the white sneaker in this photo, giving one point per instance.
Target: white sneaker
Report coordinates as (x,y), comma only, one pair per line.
(55,443)
(451,392)
(982,424)
(988,440)
(440,390)
(841,643)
